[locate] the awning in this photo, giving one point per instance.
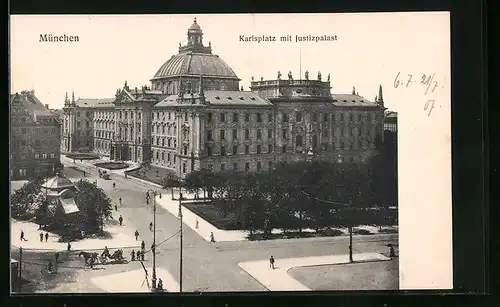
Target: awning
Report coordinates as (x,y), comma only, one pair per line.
(69,205)
(12,261)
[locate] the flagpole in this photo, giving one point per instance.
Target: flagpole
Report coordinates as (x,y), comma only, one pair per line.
(300,64)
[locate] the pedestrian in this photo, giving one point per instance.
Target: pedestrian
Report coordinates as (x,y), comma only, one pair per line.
(57,258)
(125,175)
(69,246)
(136,234)
(46,236)
(138,255)
(196,225)
(120,219)
(116,207)
(114,185)
(151,226)
(142,256)
(73,160)
(391,251)
(160,284)
(132,256)
(120,201)
(41,237)
(82,233)
(153,248)
(83,173)
(22,236)
(271,262)
(212,238)
(143,245)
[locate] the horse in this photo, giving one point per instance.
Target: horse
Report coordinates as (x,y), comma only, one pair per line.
(88,256)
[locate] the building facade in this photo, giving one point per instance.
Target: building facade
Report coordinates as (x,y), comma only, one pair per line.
(194,115)
(34,139)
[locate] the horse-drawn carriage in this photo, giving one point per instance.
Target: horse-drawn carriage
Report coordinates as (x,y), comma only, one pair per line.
(103,174)
(93,259)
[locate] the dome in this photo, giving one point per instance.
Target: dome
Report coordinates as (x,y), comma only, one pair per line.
(190,63)
(194,27)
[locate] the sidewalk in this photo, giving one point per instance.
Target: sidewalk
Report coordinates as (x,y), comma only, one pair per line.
(134,281)
(279,279)
(32,233)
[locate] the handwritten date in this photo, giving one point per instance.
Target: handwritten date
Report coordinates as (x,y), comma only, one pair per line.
(426,80)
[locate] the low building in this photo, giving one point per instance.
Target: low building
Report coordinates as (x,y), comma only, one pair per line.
(34,139)
(390,121)
(62,208)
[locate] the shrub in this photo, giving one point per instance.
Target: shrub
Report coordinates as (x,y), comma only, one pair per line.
(361,231)
(112,165)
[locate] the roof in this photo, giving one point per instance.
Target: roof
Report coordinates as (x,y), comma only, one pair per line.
(31,103)
(191,63)
(57,182)
(235,98)
(222,98)
(105,103)
(349,100)
(86,102)
(391,114)
(69,205)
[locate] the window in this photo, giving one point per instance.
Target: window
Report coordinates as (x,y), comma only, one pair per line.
(162,141)
(298,117)
(222,167)
(269,134)
(247,134)
(52,156)
(77,114)
(209,135)
(325,146)
(235,134)
(168,142)
(185,150)
(37,156)
(247,117)
(259,117)
(209,117)
(341,117)
(163,156)
(157,155)
(235,117)
(325,117)
(44,156)
(163,129)
(168,157)
(283,148)
(222,151)
(269,117)
(184,166)
(223,117)
(285,117)
(247,149)
(209,151)
(298,141)
(247,166)
(258,149)
(235,166)
(259,166)
(259,134)
(284,133)
(235,150)
(269,148)
(175,158)
(223,134)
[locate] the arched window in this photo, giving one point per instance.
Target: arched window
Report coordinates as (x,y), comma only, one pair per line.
(298,141)
(298,116)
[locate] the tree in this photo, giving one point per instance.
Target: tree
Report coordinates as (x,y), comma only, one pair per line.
(171,181)
(94,205)
(25,201)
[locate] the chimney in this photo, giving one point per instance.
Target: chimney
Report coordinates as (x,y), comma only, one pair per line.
(47,106)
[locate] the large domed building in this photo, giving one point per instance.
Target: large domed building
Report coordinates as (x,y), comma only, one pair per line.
(194,116)
(194,59)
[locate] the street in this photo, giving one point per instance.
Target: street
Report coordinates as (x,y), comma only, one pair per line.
(207,266)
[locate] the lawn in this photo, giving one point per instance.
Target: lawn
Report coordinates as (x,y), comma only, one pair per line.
(150,173)
(375,275)
(83,156)
(210,213)
(112,165)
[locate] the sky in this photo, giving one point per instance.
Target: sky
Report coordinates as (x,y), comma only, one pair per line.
(371,50)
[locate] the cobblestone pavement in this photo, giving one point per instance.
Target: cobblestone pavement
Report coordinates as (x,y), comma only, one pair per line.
(210,266)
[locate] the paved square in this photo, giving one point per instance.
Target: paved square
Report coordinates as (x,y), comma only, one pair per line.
(134,281)
(279,279)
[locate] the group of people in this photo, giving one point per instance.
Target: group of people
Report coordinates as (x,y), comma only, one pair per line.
(139,254)
(46,236)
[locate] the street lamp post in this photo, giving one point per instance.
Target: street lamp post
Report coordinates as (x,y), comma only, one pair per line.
(153,249)
(180,248)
